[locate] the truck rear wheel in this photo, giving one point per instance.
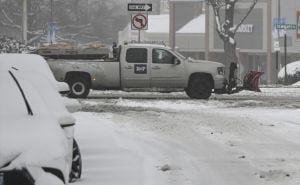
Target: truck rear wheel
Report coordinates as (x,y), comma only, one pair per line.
(199,89)
(79,88)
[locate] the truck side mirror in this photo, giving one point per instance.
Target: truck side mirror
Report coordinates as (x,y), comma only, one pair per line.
(176,61)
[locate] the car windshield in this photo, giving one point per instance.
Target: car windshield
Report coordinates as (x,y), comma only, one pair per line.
(12,101)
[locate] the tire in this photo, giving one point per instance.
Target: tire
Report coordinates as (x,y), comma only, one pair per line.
(76,168)
(79,88)
(199,89)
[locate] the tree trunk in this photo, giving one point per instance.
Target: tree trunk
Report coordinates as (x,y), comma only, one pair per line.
(230,55)
(231,64)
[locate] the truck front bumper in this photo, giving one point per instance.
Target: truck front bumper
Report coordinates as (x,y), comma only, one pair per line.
(220,82)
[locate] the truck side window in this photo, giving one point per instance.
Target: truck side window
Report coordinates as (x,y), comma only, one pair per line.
(136,55)
(160,56)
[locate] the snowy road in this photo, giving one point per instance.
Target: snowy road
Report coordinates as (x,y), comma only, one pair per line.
(146,138)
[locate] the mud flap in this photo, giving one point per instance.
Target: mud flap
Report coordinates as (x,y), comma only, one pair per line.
(251,81)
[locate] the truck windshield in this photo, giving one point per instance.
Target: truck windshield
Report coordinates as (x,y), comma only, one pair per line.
(179,55)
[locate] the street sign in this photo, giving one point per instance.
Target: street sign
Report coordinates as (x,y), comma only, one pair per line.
(139,21)
(277,23)
(139,7)
(276,46)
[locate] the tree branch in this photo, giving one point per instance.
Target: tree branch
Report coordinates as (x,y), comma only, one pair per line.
(245,17)
(7,17)
(10,25)
(218,21)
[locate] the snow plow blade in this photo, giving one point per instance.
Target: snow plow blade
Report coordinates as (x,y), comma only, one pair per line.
(251,81)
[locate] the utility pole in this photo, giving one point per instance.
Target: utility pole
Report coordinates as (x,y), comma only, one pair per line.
(50,26)
(51,11)
(278,37)
(172,31)
(24,21)
(269,42)
(285,58)
(207,31)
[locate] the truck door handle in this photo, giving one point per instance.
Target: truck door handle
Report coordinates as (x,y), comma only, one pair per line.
(156,68)
(128,67)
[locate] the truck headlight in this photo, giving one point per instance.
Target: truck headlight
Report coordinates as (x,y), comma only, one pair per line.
(221,70)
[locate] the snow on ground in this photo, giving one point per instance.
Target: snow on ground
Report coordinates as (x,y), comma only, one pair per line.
(153,138)
(266,92)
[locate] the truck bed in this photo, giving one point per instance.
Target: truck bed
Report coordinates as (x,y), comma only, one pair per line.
(104,74)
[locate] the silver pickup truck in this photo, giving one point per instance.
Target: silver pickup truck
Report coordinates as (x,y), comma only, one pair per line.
(141,67)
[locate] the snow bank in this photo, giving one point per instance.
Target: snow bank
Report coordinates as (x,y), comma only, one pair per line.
(296,84)
(292,68)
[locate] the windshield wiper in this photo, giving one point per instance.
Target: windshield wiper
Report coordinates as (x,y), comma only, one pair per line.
(29,110)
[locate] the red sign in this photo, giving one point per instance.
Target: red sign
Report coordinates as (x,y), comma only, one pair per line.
(139,21)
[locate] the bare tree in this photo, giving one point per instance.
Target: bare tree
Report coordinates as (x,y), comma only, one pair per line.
(75,20)
(226,28)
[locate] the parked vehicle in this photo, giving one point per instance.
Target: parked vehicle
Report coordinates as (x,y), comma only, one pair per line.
(37,64)
(36,131)
(141,67)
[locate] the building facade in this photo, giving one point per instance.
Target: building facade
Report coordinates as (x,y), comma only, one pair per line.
(255,39)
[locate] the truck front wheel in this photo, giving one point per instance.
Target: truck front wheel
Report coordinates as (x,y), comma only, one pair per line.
(79,88)
(199,89)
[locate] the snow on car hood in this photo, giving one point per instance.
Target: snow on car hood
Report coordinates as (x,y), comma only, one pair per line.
(30,140)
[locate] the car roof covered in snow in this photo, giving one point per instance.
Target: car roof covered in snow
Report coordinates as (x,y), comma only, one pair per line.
(28,62)
(37,88)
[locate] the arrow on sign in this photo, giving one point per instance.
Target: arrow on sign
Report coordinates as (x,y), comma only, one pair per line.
(138,7)
(147,7)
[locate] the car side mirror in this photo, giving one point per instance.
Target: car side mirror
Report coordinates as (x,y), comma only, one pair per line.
(176,61)
(63,88)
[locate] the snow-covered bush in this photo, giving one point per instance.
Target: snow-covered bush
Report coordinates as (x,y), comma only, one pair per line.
(293,73)
(10,45)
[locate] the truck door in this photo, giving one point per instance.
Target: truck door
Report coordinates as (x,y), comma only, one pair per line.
(135,69)
(164,72)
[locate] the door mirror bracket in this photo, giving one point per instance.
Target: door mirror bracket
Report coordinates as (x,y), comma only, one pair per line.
(176,61)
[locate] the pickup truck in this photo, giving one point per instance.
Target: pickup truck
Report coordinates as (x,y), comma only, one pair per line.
(141,67)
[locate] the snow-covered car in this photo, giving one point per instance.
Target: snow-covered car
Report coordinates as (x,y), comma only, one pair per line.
(37,64)
(37,144)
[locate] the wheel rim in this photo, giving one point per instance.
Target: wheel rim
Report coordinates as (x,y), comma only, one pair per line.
(78,88)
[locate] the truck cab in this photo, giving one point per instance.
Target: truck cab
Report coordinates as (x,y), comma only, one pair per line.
(151,66)
(161,68)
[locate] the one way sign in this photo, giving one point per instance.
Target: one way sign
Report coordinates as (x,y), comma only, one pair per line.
(139,7)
